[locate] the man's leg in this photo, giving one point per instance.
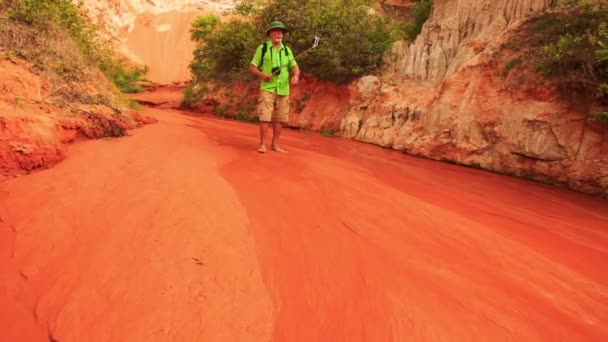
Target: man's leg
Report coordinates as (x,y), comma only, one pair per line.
(263,130)
(265,109)
(277,126)
(282,107)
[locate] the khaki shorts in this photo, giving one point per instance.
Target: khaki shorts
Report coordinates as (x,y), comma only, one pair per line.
(267,102)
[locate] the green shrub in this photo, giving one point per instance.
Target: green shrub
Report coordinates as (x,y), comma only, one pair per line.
(126,78)
(224,50)
(203,27)
(193,94)
(567,41)
(570,48)
(419,14)
(327,132)
(602,116)
(49,20)
(247,7)
(512,63)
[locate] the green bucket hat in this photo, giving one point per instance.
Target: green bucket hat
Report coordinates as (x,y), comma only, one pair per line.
(276,25)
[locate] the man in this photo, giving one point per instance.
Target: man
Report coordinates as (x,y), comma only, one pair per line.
(273,63)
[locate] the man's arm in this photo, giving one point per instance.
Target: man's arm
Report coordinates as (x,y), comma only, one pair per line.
(295,75)
(254,70)
(255,63)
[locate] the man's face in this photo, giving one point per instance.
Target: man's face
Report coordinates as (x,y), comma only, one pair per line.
(276,35)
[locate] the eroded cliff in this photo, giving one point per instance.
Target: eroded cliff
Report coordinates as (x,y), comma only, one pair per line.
(444,97)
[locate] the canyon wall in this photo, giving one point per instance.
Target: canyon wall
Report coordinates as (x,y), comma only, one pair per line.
(444,97)
(155,33)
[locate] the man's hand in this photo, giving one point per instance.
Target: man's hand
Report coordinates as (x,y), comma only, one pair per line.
(295,79)
(295,75)
(265,77)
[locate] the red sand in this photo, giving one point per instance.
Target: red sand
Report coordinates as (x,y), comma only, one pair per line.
(183,232)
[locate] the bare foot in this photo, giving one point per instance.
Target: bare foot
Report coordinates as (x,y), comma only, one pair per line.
(262,149)
(278,149)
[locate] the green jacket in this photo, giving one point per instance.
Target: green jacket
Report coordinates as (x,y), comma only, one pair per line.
(279,82)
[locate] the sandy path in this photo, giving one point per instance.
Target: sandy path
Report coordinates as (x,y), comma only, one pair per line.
(134,239)
(334,241)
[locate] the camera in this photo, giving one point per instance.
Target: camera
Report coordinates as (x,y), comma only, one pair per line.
(275,69)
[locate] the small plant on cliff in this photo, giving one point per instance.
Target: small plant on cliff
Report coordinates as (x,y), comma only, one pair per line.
(601,54)
(601,116)
(326,132)
(419,14)
(569,47)
(512,63)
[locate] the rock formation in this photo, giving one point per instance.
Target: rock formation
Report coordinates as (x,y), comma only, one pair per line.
(443,97)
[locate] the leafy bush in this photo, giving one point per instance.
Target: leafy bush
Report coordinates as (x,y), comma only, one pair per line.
(224,49)
(602,116)
(327,132)
(569,47)
(41,13)
(125,78)
(203,27)
(420,12)
(46,21)
(193,94)
(512,63)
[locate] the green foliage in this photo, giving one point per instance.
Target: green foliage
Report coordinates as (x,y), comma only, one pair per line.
(224,49)
(602,52)
(576,6)
(570,47)
(511,64)
(602,90)
(125,78)
(50,19)
(420,12)
(43,13)
(327,132)
(602,116)
(133,104)
(193,94)
(247,7)
(203,27)
(243,116)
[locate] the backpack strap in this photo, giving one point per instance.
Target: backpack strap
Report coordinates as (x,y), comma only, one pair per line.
(264,48)
(287,51)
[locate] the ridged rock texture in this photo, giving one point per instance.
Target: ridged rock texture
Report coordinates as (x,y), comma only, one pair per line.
(443,97)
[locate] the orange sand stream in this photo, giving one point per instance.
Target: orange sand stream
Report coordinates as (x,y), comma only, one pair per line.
(181,232)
